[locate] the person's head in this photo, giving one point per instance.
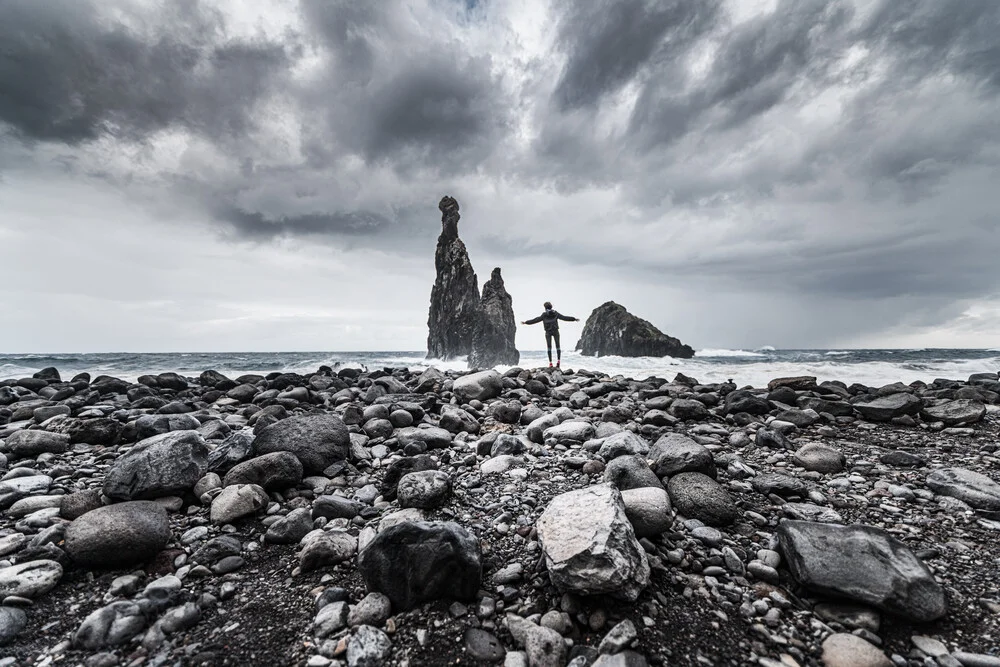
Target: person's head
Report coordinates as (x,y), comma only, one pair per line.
(548,305)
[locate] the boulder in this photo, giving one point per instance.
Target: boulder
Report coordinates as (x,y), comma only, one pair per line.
(973,488)
(327,549)
(862,563)
(797,383)
(481,386)
(630,472)
(110,625)
(318,441)
(454,310)
(400,467)
(415,562)
(277,470)
(590,546)
(238,501)
(425,489)
(118,535)
(698,496)
(819,458)
(611,329)
(846,650)
(953,413)
(648,510)
(423,439)
(149,425)
(26,444)
(164,465)
(624,443)
(742,400)
(675,453)
(886,408)
(31,579)
(493,334)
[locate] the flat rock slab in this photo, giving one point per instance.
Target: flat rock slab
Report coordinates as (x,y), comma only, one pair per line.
(885,408)
(590,546)
(953,413)
(973,488)
(861,563)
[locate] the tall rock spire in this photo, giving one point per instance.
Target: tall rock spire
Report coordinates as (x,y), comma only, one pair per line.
(493,338)
(455,296)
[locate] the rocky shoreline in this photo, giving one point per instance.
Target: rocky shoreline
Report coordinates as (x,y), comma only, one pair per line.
(537,517)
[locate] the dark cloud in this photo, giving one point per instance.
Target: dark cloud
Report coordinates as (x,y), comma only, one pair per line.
(925,38)
(398,93)
(756,66)
(70,75)
(607,44)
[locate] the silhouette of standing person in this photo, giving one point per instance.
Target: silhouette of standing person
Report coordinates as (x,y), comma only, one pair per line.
(551,318)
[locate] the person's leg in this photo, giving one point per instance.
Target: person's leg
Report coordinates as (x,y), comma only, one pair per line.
(548,345)
(558,350)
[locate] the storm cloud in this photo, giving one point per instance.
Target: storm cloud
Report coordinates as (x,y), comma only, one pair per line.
(777,163)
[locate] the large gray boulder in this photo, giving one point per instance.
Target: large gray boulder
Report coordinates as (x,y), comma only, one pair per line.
(149,425)
(318,441)
(30,579)
(973,488)
(611,329)
(862,563)
(954,413)
(698,496)
(493,334)
(118,535)
(884,408)
(480,386)
(648,509)
(165,465)
(416,561)
(277,470)
(623,443)
(24,443)
(675,453)
(454,309)
(590,546)
(820,458)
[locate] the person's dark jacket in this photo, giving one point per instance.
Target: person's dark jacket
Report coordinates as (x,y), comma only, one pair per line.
(550,318)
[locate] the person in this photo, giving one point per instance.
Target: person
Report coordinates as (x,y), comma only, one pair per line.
(551,318)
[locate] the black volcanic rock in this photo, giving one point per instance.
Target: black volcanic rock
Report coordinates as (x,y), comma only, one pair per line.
(611,329)
(493,338)
(454,307)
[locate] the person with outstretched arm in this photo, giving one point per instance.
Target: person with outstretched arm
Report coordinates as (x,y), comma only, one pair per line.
(550,318)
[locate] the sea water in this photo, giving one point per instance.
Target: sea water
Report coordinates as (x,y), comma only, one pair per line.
(745,367)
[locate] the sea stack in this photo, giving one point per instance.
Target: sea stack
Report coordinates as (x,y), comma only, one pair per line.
(611,329)
(455,296)
(493,338)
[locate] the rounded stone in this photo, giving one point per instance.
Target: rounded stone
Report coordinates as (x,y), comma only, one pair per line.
(846,650)
(425,489)
(698,496)
(31,579)
(819,458)
(118,535)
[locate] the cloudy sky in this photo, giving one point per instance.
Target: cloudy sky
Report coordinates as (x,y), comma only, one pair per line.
(184,175)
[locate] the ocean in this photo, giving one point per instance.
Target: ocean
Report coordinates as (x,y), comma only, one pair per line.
(745,367)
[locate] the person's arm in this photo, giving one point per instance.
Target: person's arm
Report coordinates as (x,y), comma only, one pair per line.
(567,318)
(534,320)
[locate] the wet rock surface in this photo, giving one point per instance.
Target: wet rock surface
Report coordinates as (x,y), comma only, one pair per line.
(525,517)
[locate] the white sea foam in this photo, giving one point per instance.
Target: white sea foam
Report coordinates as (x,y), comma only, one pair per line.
(715,353)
